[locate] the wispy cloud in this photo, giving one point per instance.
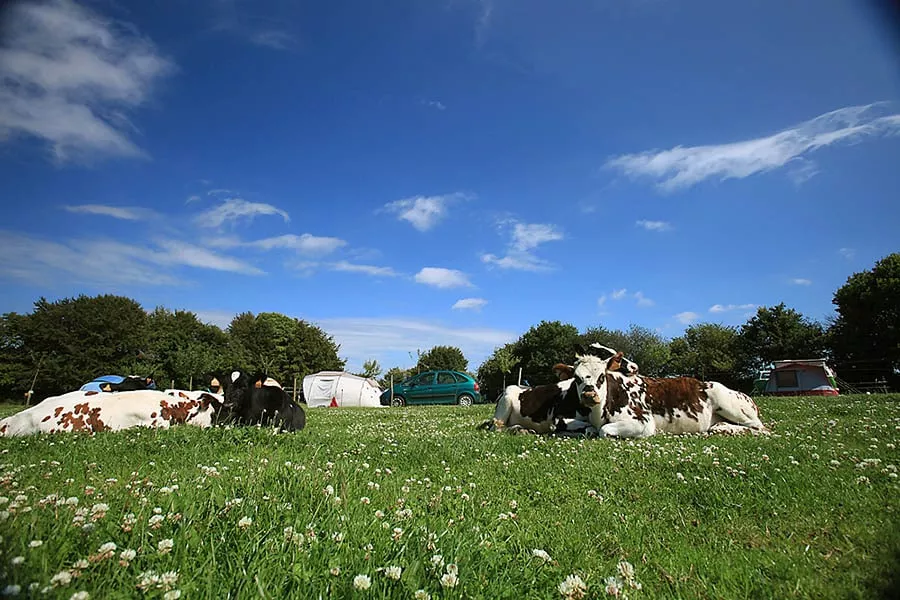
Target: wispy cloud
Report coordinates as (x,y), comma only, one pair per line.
(423,212)
(305,243)
(475,304)
(682,167)
(687,317)
(364,269)
(483,23)
(721,308)
(192,198)
(847,253)
(235,209)
(268,31)
(618,294)
(442,278)
(643,300)
(524,238)
(69,76)
(392,340)
(654,225)
(128,213)
(106,262)
(435,104)
(801,281)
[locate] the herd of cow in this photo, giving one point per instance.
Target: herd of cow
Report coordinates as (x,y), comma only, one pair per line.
(602,394)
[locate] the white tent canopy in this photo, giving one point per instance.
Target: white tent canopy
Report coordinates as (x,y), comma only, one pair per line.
(337,388)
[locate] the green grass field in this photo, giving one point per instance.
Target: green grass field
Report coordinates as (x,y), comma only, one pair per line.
(808,512)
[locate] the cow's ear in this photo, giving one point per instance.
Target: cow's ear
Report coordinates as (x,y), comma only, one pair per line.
(563,371)
(580,350)
(615,363)
(207,400)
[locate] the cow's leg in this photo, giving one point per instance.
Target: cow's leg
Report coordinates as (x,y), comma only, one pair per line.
(735,407)
(501,413)
(629,428)
(724,427)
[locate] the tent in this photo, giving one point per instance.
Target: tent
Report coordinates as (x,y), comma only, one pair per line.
(801,377)
(337,388)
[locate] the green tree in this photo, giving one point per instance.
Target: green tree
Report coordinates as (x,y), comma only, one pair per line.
(865,335)
(497,371)
(642,345)
(17,365)
(371,368)
(705,350)
(544,345)
(183,349)
(399,374)
(777,333)
(81,338)
(443,357)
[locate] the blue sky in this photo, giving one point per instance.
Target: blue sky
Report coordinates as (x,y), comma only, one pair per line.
(410,173)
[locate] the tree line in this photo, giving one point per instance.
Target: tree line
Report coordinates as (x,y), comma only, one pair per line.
(61,345)
(862,341)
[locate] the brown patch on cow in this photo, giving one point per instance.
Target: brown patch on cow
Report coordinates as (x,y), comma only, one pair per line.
(616,394)
(47,418)
(615,363)
(91,393)
(57,410)
(4,428)
(176,413)
(535,403)
(153,415)
(94,421)
(563,371)
(183,395)
(72,420)
(676,393)
(639,413)
(82,409)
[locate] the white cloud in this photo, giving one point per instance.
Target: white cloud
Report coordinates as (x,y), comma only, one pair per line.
(391,340)
(423,212)
(235,209)
(220,318)
(436,104)
(801,281)
(105,262)
(269,30)
(654,225)
(601,300)
(847,253)
(682,167)
(687,317)
(619,294)
(442,278)
(364,269)
(192,198)
(524,238)
(720,308)
(128,213)
(643,300)
(305,243)
(469,304)
(69,76)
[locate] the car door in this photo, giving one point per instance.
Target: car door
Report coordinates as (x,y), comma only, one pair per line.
(445,388)
(421,389)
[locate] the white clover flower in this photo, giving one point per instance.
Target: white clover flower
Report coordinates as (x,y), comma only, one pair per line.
(81,564)
(107,548)
(572,587)
(245,522)
(165,546)
(172,595)
(437,561)
(82,595)
(362,582)
(612,586)
(17,560)
(379,514)
(541,554)
(64,577)
(365,500)
(335,571)
(449,580)
(11,590)
(35,543)
(128,554)
(626,570)
(393,572)
(421,595)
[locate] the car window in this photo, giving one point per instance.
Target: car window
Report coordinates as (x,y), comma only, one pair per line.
(424,378)
(460,378)
(445,377)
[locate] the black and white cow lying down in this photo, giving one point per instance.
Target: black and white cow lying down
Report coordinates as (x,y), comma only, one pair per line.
(258,400)
(635,406)
(551,408)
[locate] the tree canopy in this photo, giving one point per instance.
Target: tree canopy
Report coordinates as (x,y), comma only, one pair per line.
(448,358)
(778,333)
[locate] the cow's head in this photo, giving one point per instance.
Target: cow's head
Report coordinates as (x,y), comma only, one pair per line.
(210,412)
(234,387)
(592,365)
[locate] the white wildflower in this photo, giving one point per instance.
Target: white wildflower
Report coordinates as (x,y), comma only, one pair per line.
(393,572)
(541,554)
(245,522)
(572,587)
(165,546)
(362,582)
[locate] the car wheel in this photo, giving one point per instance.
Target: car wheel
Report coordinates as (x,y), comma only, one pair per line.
(465,400)
(398,401)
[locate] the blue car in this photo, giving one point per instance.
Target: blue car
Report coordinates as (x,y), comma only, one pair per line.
(434,387)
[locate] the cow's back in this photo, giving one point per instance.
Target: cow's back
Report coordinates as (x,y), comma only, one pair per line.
(678,404)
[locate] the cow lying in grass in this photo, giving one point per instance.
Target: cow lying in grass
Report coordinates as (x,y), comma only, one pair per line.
(258,400)
(635,406)
(548,408)
(94,411)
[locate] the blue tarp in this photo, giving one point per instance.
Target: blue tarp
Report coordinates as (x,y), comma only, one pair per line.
(94,386)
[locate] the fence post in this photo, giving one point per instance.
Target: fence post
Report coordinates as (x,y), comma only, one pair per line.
(295,389)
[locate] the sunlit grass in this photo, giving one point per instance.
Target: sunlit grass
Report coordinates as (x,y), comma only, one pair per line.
(809,512)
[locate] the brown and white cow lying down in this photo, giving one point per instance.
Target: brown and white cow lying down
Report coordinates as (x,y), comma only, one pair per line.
(539,409)
(635,406)
(93,411)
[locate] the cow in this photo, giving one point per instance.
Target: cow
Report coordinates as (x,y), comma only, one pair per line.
(93,411)
(634,406)
(129,384)
(258,400)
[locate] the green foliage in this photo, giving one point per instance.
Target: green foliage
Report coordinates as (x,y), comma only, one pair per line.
(443,357)
(398,375)
(183,349)
(778,333)
(808,513)
(866,332)
(371,368)
(704,349)
(82,338)
(498,370)
(543,346)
